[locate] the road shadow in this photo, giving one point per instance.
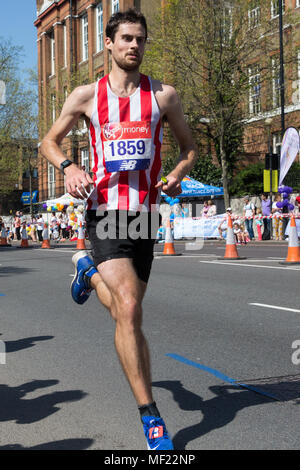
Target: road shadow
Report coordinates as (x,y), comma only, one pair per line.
(65,444)
(13,270)
(14,407)
(216,412)
(24,343)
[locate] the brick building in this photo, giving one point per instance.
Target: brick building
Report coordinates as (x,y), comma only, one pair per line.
(263,126)
(70,37)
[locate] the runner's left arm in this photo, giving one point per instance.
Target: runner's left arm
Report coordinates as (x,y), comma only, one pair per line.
(170,103)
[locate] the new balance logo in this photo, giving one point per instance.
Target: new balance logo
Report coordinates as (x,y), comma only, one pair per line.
(128,165)
(155,433)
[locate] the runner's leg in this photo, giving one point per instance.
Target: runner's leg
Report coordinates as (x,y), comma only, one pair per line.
(103,292)
(127,292)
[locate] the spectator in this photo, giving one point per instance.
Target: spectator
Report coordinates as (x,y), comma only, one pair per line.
(248,214)
(17,224)
(205,209)
(53,221)
(32,231)
(185,210)
(277,218)
(63,226)
(40,227)
(212,210)
(259,222)
(223,225)
(240,235)
(297,203)
(266,212)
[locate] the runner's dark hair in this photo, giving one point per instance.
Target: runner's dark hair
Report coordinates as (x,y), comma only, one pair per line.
(129,16)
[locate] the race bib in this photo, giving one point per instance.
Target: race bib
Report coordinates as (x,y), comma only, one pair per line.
(127,145)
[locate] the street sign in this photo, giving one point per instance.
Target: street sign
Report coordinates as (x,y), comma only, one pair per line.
(25,198)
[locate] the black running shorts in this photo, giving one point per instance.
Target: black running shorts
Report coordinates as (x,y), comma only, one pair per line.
(121,234)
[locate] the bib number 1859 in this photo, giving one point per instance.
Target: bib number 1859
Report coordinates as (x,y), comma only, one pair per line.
(127,147)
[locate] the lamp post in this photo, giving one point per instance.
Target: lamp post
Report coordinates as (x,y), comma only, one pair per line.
(268,123)
(281,72)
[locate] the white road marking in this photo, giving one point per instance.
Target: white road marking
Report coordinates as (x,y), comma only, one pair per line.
(275,307)
(250,265)
(60,250)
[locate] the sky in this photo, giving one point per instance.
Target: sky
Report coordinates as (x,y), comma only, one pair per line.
(16,23)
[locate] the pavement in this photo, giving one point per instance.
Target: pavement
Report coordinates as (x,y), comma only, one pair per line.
(224,338)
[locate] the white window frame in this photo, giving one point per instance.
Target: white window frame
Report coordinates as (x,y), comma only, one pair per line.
(65,45)
(51,181)
(99,28)
(227,19)
(275,8)
(85,158)
(115,6)
(52,53)
(297,4)
(84,37)
(275,83)
(254,98)
(254,17)
(53,107)
(276,141)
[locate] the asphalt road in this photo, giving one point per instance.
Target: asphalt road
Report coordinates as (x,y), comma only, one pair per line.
(62,386)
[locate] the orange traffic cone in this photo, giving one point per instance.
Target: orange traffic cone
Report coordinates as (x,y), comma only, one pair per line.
(3,238)
(169,249)
(46,241)
(231,249)
(80,240)
(293,256)
(24,237)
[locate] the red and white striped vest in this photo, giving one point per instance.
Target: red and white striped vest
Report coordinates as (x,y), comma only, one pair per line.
(126,138)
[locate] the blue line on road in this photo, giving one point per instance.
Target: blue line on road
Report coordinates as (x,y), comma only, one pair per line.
(219,375)
(2,295)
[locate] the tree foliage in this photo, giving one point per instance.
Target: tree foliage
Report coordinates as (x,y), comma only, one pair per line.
(249,180)
(204,48)
(18,117)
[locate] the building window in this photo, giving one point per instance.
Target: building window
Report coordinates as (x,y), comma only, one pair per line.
(115,6)
(51,181)
(85,37)
(52,53)
(254,90)
(275,83)
(254,15)
(275,8)
(85,159)
(276,140)
(297,4)
(227,23)
(53,107)
(99,28)
(65,44)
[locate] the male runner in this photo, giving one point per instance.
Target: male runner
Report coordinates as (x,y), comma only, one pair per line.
(124,111)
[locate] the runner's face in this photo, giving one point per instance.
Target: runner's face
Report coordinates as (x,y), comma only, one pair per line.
(128,47)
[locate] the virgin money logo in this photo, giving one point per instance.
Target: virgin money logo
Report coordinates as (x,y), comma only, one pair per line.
(112,131)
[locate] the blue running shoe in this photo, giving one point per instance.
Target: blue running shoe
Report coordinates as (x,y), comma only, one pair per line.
(84,269)
(156,433)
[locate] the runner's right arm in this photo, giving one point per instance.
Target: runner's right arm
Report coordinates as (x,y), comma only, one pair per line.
(77,104)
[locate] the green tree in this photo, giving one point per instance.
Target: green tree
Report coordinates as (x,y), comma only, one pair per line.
(204,47)
(248,181)
(18,118)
